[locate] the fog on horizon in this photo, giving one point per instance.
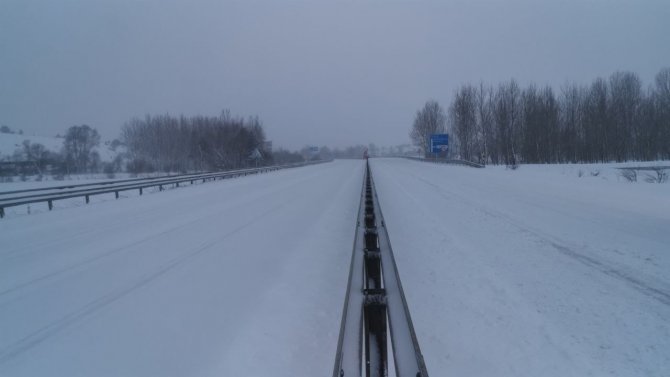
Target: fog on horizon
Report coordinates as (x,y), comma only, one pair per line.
(332,73)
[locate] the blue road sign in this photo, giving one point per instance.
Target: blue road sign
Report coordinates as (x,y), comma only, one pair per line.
(439,143)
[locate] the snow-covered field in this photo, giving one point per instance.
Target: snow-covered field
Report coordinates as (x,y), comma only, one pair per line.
(9,143)
(533,272)
(242,277)
(540,271)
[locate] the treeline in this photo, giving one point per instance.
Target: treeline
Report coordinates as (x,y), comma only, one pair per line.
(199,143)
(77,155)
(355,151)
(326,153)
(614,119)
(153,144)
(6,130)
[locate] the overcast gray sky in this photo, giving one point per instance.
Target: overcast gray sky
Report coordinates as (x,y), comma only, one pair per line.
(317,72)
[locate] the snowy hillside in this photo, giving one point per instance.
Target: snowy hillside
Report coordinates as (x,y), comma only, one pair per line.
(11,142)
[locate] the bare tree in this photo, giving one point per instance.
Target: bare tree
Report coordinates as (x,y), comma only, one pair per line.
(78,147)
(506,115)
(431,119)
(38,154)
(570,122)
(539,134)
(597,133)
(463,118)
(609,120)
(485,123)
(625,101)
(167,143)
(661,103)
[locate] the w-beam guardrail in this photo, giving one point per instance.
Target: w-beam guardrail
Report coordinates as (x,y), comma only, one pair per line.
(377,337)
(651,168)
(448,161)
(85,191)
(102,183)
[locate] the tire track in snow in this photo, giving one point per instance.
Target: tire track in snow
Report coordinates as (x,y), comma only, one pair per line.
(39,336)
(632,281)
(98,257)
(639,285)
(47,246)
(109,227)
(124,248)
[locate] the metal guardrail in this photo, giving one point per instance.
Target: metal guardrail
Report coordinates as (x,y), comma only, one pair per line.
(448,161)
(102,183)
(122,185)
(376,335)
(650,168)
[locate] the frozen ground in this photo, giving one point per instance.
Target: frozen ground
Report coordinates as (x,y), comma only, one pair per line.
(533,272)
(243,277)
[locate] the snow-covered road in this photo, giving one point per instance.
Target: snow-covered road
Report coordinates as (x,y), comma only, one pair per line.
(243,277)
(507,273)
(525,273)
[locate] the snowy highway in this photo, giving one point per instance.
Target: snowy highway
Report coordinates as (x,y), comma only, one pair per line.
(244,277)
(528,273)
(506,273)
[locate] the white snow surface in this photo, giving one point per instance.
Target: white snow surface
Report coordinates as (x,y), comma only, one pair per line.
(242,277)
(11,142)
(533,272)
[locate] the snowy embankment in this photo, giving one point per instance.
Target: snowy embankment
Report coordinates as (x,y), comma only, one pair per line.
(242,277)
(533,272)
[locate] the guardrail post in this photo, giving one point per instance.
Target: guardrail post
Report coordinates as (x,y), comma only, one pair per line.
(2,212)
(160,187)
(140,191)
(51,204)
(116,194)
(87,199)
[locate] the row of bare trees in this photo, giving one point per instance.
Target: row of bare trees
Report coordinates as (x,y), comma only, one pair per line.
(429,120)
(77,155)
(167,143)
(613,119)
